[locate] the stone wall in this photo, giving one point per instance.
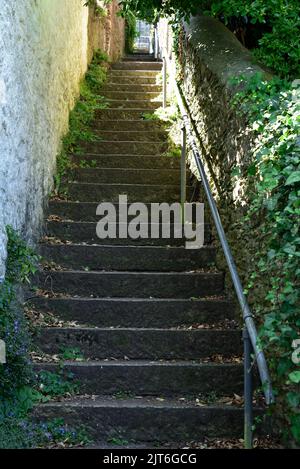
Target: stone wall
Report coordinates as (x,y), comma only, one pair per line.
(45,47)
(106,32)
(210,55)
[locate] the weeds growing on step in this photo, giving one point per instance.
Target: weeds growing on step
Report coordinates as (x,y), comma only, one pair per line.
(115,441)
(81,118)
(21,433)
(71,354)
(166,115)
(19,390)
(56,385)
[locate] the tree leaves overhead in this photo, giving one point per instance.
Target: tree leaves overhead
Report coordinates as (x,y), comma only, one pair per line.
(278,47)
(151,10)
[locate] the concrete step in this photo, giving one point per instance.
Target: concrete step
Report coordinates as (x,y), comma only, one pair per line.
(85,232)
(129,126)
(136,79)
(141,420)
(125,147)
(137,65)
(133,104)
(143,313)
(136,87)
(148,378)
(140,344)
(133,135)
(130,176)
(116,73)
(89,192)
(128,161)
(132,284)
(123,114)
(131,95)
(128,258)
(139,58)
(86,211)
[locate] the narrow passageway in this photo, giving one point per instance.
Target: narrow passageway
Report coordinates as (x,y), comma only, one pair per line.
(150,315)
(149,225)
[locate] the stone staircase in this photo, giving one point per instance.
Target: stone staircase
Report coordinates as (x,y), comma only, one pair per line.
(151,319)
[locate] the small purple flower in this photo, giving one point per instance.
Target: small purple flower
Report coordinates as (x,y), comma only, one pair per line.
(16,326)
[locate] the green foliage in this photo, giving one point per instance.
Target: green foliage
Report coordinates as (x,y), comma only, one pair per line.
(131,32)
(50,385)
(166,115)
(82,116)
(17,391)
(279,45)
(116,441)
(152,10)
(21,262)
(99,11)
(278,49)
(71,354)
(147,116)
(22,434)
(273,218)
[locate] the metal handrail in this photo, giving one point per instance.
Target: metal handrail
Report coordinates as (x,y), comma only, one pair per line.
(250,335)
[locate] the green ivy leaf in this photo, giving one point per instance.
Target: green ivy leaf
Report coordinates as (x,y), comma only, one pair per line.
(293,178)
(295,377)
(293,399)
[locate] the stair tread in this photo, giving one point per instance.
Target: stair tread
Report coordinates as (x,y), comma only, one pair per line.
(130,92)
(138,101)
(124,247)
(139,300)
(125,141)
(133,170)
(139,363)
(124,184)
(143,402)
(135,274)
(124,155)
(144,329)
(163,132)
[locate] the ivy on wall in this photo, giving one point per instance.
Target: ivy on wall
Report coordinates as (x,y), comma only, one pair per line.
(273,216)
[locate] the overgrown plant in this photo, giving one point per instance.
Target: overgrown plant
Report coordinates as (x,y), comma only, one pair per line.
(18,388)
(99,8)
(278,46)
(273,215)
(131,32)
(82,116)
(51,385)
(21,263)
(24,434)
